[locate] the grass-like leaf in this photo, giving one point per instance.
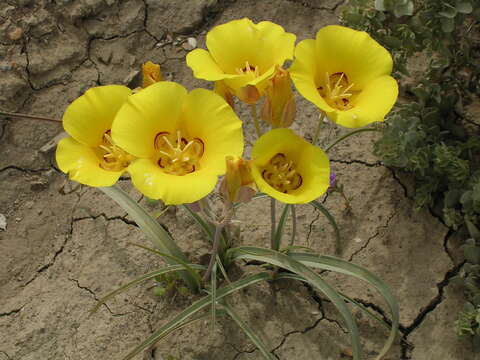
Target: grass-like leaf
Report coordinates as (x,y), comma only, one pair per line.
(195,308)
(207,228)
(344,267)
(277,239)
(152,229)
(145,277)
(286,262)
(249,332)
(330,219)
(179,261)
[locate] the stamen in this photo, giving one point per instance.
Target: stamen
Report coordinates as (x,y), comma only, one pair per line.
(178,156)
(113,158)
(335,90)
(280,173)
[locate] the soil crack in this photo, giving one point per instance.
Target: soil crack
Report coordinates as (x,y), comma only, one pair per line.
(12,312)
(437,300)
(354,161)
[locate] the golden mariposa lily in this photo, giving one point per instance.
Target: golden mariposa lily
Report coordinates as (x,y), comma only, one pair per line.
(288,168)
(346,74)
(244,55)
(89,156)
(181,140)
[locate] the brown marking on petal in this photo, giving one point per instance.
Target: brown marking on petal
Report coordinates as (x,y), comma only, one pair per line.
(159,137)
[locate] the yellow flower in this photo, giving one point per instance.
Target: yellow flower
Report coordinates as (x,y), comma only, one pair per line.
(151,74)
(90,156)
(181,140)
(288,168)
(242,53)
(346,74)
(279,107)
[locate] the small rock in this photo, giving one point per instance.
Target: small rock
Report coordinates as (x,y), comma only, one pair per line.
(190,44)
(18,219)
(15,34)
(3,222)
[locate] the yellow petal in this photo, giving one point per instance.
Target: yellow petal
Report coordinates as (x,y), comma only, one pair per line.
(151,111)
(149,179)
(236,42)
(88,117)
(82,164)
(208,117)
(371,105)
(310,161)
(205,67)
(355,53)
(305,73)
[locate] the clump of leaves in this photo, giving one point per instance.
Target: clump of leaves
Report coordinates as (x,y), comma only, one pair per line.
(429,134)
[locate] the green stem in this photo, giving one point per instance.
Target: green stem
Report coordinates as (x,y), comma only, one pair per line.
(26,116)
(341,138)
(294,225)
(273,225)
(253,110)
(317,130)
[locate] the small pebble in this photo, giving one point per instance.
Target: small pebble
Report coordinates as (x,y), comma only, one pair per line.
(190,44)
(15,34)
(3,222)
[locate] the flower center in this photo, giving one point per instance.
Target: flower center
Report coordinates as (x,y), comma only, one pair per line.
(280,173)
(177,156)
(248,69)
(113,157)
(336,91)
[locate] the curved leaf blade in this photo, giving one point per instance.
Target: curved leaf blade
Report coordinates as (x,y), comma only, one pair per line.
(152,229)
(286,262)
(195,308)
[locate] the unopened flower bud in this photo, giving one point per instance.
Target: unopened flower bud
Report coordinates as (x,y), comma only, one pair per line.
(279,108)
(238,184)
(151,74)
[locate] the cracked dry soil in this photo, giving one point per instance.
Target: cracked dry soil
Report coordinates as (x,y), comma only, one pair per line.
(66,245)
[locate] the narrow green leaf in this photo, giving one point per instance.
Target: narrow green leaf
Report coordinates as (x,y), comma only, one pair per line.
(344,267)
(367,311)
(152,229)
(179,261)
(207,228)
(330,219)
(249,332)
(286,262)
(148,276)
(281,227)
(195,308)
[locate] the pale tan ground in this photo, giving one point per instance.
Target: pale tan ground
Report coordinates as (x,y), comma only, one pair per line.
(65,246)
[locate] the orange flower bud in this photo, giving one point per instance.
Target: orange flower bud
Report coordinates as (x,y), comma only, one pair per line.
(223,90)
(279,108)
(238,184)
(151,74)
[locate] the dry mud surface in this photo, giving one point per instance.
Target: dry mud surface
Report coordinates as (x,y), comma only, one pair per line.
(66,245)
